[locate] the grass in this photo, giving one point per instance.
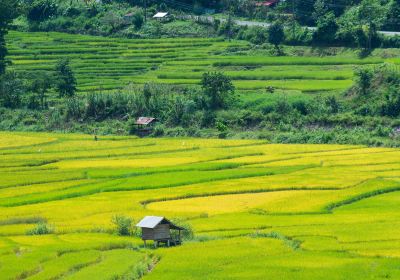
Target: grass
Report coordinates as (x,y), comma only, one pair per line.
(258,210)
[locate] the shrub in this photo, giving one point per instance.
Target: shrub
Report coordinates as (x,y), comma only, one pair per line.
(222,129)
(186,234)
(41,228)
(159,130)
(123,225)
(363,79)
(255,35)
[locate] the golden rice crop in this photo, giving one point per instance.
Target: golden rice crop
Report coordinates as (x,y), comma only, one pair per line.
(304,211)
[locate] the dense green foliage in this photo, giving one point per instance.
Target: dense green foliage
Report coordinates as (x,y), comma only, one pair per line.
(219,90)
(65,79)
(276,34)
(377,92)
(347,23)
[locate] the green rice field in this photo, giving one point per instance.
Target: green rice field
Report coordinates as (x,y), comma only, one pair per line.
(106,64)
(257,210)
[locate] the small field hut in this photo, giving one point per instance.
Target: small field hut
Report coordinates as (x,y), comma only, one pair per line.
(144,125)
(159,229)
(161,16)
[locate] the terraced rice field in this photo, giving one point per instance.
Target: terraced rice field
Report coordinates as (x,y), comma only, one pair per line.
(106,64)
(258,210)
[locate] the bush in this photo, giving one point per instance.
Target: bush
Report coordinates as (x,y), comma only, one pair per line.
(222,129)
(158,131)
(124,225)
(186,234)
(256,35)
(298,35)
(41,228)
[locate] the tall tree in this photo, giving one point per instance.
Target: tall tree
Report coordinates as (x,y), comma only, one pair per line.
(276,34)
(392,20)
(65,79)
(372,15)
(11,90)
(361,23)
(326,29)
(219,89)
(9,10)
(40,86)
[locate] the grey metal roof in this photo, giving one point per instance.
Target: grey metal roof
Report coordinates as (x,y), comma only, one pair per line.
(160,15)
(150,222)
(144,120)
(153,221)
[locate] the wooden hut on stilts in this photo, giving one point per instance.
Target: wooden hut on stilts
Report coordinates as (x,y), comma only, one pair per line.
(159,229)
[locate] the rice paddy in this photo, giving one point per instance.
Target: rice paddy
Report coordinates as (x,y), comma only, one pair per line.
(258,210)
(109,64)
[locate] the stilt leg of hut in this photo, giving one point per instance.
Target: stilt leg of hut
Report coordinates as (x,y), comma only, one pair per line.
(168,243)
(144,243)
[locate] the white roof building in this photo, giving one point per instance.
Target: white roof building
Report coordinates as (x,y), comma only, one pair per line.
(150,222)
(160,15)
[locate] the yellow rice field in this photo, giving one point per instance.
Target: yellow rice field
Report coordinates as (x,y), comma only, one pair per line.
(257,210)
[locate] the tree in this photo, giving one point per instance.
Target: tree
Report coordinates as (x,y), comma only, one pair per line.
(65,79)
(371,15)
(361,23)
(9,10)
(40,86)
(40,10)
(218,88)
(138,20)
(276,34)
(303,11)
(326,28)
(113,20)
(320,9)
(393,14)
(11,90)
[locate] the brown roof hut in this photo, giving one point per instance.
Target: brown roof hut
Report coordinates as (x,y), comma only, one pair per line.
(159,229)
(144,125)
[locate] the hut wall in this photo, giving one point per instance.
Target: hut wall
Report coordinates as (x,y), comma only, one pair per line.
(147,234)
(159,232)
